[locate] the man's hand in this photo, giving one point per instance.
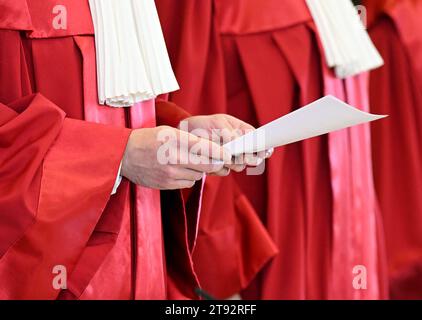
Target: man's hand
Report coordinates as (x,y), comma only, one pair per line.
(145,161)
(223,128)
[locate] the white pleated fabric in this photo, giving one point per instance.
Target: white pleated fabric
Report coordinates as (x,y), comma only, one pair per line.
(132,59)
(348,48)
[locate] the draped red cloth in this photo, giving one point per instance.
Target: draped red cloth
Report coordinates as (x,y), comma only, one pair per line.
(259,60)
(397,147)
(232,244)
(57,173)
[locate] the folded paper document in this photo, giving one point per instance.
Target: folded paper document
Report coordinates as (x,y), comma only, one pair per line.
(323,116)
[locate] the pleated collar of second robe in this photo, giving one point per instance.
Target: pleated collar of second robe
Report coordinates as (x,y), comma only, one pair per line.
(348,48)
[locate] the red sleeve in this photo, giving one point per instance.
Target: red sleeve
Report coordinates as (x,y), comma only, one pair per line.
(169,113)
(56,178)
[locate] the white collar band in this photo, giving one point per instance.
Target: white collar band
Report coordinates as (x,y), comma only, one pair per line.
(132,60)
(348,48)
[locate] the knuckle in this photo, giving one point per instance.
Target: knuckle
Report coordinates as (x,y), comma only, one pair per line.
(226,172)
(217,167)
(169,172)
(239,168)
(166,181)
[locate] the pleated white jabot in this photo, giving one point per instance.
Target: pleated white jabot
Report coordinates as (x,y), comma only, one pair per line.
(348,48)
(132,59)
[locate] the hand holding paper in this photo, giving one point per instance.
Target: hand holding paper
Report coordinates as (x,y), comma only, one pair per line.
(323,116)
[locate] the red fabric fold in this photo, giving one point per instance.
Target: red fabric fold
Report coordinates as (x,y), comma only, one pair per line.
(169,113)
(298,217)
(255,16)
(397,145)
(112,246)
(232,245)
(72,197)
(14,15)
(227,217)
(28,128)
(259,60)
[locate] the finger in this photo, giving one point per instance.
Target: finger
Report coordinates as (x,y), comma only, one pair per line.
(181,173)
(205,134)
(207,148)
(261,154)
(181,184)
(234,129)
(201,163)
(230,134)
(254,159)
(238,164)
(222,173)
(248,159)
(237,167)
(239,124)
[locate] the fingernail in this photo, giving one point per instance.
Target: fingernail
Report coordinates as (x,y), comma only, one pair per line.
(269,152)
(249,160)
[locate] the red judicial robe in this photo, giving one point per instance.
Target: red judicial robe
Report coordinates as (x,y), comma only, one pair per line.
(397,144)
(57,173)
(259,60)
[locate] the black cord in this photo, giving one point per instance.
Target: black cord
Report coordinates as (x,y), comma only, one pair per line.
(204,295)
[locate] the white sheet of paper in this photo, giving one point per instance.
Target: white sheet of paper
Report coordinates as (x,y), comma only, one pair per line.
(323,116)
